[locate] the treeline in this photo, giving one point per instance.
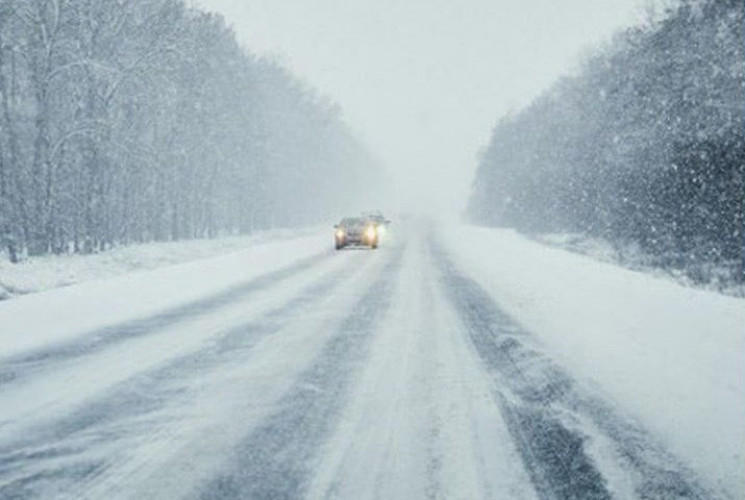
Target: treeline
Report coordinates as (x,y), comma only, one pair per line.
(145,120)
(645,145)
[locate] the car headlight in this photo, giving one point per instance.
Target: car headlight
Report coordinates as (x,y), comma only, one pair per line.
(340,233)
(371,232)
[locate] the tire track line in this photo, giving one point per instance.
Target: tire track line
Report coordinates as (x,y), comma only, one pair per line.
(139,400)
(278,458)
(546,411)
(20,367)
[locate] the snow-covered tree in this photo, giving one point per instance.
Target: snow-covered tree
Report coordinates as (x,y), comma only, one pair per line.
(646,144)
(142,120)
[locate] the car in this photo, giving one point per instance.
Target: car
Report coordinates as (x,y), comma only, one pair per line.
(356,231)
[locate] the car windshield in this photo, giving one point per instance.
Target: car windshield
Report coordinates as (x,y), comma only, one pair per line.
(352,223)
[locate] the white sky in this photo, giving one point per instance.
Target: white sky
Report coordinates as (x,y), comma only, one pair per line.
(422,82)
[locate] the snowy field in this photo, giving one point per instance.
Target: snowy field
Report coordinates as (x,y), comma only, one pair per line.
(452,362)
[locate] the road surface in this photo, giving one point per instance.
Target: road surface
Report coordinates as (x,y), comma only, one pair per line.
(357,374)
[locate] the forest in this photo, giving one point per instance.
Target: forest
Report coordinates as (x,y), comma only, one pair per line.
(643,145)
(136,121)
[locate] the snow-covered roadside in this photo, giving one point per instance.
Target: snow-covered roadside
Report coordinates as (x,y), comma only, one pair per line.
(718,278)
(84,307)
(37,274)
(671,356)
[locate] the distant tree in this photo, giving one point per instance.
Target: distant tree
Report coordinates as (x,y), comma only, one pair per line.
(145,120)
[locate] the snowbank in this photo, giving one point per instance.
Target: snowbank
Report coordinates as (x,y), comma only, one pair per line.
(671,356)
(720,277)
(52,271)
(95,304)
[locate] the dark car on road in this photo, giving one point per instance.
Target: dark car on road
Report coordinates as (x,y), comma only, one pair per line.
(356,231)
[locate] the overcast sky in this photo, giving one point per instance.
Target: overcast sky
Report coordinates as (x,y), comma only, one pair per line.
(422,82)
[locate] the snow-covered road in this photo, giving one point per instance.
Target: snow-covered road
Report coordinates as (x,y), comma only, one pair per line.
(292,371)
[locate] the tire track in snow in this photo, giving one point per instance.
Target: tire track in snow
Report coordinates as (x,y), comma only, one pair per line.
(383,436)
(552,420)
(19,367)
(277,459)
(56,458)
